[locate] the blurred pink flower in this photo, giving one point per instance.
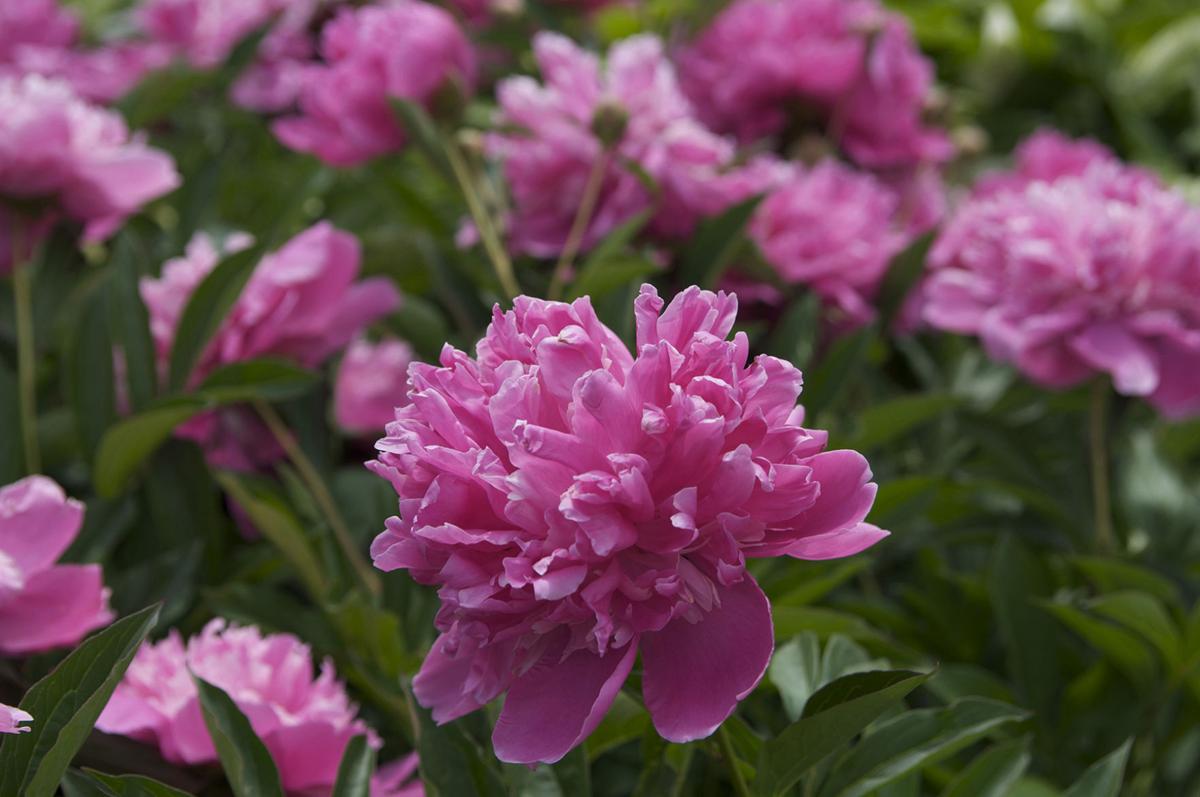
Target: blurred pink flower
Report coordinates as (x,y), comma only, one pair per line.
(577,505)
(836,231)
(205,32)
(554,145)
(34,22)
(372,380)
(44,605)
(272,83)
(1077,267)
(11,719)
(397,49)
(76,158)
(304,719)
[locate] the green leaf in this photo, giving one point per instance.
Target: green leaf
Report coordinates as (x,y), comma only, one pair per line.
(206,309)
(127,444)
(602,277)
(573,774)
(1128,652)
(1110,575)
(614,244)
(267,378)
(832,717)
(244,757)
(796,334)
(423,132)
(452,763)
(624,722)
(889,420)
(88,372)
(131,322)
(913,741)
(845,358)
(992,773)
(799,668)
(355,771)
(1030,637)
(134,785)
(1103,779)
(1145,615)
(65,705)
(902,275)
(714,244)
(12,449)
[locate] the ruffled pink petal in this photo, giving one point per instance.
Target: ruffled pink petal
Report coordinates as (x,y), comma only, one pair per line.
(1109,347)
(37,523)
(837,544)
(58,607)
(11,719)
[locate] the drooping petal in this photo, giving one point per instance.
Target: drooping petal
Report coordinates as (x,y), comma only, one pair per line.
(11,719)
(1111,348)
(58,607)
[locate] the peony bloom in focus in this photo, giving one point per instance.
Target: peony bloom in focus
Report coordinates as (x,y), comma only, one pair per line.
(77,158)
(1077,265)
(836,231)
(11,719)
(44,605)
(578,505)
(371,381)
(398,49)
(304,721)
(555,144)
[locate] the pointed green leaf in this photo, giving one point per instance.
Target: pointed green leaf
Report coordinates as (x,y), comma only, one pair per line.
(247,764)
(992,773)
(134,785)
(355,771)
(129,443)
(716,241)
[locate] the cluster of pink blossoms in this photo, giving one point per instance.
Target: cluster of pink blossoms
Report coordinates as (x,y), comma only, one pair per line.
(577,505)
(305,722)
(1076,265)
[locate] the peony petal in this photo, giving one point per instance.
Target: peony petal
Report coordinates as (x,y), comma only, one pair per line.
(1111,348)
(11,719)
(58,607)
(37,523)
(846,495)
(837,544)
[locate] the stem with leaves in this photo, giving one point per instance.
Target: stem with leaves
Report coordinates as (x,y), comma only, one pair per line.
(492,244)
(740,786)
(26,354)
(1098,445)
(583,218)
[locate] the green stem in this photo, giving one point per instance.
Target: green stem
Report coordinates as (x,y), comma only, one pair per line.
(731,760)
(26,356)
(483,223)
(1098,444)
(583,217)
(316,485)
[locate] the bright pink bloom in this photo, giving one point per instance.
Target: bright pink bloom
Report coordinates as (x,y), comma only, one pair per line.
(1093,270)
(44,605)
(205,32)
(304,719)
(371,381)
(836,231)
(34,22)
(398,49)
(555,146)
(11,719)
(577,505)
(272,84)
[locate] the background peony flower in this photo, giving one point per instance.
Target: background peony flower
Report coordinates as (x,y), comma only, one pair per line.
(1093,270)
(834,230)
(372,380)
(576,505)
(44,605)
(56,148)
(34,22)
(11,719)
(398,49)
(304,719)
(205,32)
(554,146)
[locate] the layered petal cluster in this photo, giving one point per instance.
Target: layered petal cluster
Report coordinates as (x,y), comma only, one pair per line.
(763,66)
(205,32)
(304,718)
(11,719)
(578,505)
(834,230)
(399,49)
(559,131)
(1076,265)
(44,604)
(78,159)
(371,382)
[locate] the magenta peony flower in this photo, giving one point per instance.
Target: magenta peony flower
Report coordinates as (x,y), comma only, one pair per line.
(11,719)
(34,22)
(205,32)
(836,231)
(77,158)
(1077,267)
(577,505)
(371,381)
(44,605)
(555,144)
(397,49)
(304,721)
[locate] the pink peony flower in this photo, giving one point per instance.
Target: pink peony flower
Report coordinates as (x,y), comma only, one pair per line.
(554,146)
(371,380)
(78,158)
(578,505)
(397,49)
(273,82)
(205,32)
(11,719)
(44,605)
(34,22)
(304,721)
(835,230)
(1075,268)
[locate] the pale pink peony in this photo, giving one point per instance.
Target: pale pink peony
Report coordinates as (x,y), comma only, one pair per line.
(402,49)
(577,505)
(1093,270)
(371,381)
(305,719)
(11,719)
(44,605)
(205,32)
(77,159)
(553,146)
(834,230)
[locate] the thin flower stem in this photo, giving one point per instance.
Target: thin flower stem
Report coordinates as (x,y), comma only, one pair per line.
(1098,443)
(26,354)
(583,217)
(312,478)
(731,760)
(483,223)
